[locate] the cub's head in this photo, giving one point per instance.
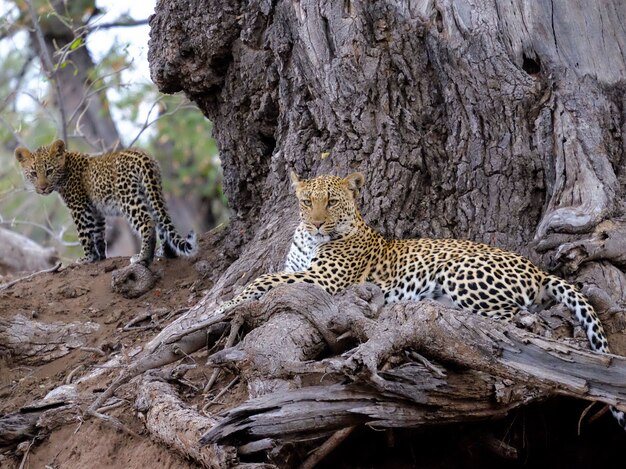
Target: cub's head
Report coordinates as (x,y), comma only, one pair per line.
(45,167)
(328,203)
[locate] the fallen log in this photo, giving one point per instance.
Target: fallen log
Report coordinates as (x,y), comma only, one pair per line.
(31,342)
(171,421)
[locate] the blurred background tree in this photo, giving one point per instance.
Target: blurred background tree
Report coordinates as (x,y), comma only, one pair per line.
(77,69)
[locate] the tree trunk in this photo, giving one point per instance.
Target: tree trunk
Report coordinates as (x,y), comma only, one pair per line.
(501,123)
(488,122)
(83,101)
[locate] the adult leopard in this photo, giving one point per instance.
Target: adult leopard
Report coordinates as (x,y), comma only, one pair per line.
(334,248)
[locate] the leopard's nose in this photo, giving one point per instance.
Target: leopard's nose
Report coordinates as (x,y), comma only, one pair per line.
(317,224)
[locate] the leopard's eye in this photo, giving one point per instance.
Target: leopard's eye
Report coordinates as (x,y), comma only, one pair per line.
(49,172)
(33,173)
(332,202)
(306,202)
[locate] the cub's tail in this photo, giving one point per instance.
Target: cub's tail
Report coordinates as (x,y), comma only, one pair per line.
(173,245)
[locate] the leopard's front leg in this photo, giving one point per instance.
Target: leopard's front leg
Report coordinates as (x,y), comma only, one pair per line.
(266,282)
(86,221)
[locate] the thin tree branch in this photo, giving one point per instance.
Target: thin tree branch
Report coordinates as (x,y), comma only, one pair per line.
(148,122)
(54,268)
(117,24)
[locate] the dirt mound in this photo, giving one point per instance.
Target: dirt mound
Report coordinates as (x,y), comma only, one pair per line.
(82,294)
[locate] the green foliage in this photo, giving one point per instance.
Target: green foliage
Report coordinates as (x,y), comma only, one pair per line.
(169,127)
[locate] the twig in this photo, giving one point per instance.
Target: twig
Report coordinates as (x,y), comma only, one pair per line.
(117,24)
(114,405)
(94,350)
(328,446)
(16,135)
(220,394)
(130,326)
(148,122)
(23,463)
(70,376)
(582,416)
(10,284)
(603,410)
(235,326)
(113,422)
(436,370)
(51,69)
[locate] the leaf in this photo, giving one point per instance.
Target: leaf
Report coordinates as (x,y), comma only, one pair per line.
(325,155)
(77,43)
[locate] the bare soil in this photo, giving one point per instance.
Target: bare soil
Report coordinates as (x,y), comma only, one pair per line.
(81,293)
(544,434)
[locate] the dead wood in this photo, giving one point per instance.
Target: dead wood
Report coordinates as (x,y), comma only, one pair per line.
(327,447)
(35,422)
(169,420)
(19,254)
(608,242)
(40,417)
(489,368)
(32,342)
(148,360)
(133,280)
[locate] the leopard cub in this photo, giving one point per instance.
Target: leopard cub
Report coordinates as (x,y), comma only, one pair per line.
(126,182)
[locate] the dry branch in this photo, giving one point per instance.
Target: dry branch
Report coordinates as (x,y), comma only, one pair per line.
(505,367)
(34,342)
(171,421)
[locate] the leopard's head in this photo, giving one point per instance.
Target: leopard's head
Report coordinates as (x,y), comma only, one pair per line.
(44,168)
(328,203)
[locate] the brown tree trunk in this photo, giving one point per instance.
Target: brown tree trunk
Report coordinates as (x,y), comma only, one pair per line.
(501,123)
(83,101)
(488,122)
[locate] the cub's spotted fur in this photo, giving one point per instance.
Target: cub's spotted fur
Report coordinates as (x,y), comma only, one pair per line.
(124,182)
(334,248)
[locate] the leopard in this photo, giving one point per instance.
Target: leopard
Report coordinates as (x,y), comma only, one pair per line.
(333,248)
(124,182)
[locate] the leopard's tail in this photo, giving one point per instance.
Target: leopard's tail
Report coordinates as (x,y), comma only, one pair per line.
(567,294)
(172,243)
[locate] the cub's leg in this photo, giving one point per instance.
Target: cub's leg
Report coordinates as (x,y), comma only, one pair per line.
(142,221)
(85,219)
(98,236)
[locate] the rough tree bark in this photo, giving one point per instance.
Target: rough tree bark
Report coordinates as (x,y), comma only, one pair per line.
(501,123)
(476,120)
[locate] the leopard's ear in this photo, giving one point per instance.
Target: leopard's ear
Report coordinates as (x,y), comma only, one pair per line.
(23,155)
(295,180)
(354,182)
(57,147)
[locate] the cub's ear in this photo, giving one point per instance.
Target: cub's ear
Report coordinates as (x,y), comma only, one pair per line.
(22,155)
(57,147)
(295,181)
(355,181)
